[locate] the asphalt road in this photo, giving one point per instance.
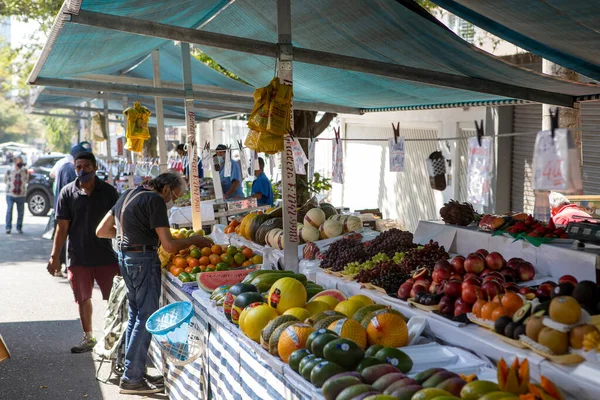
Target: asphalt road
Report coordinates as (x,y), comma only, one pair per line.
(40,322)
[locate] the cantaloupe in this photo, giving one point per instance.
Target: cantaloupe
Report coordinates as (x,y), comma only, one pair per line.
(314,217)
(331,229)
(352,224)
(309,233)
(350,329)
(293,338)
(387,329)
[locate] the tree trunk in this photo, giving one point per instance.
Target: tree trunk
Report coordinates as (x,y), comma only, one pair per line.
(151,145)
(304,125)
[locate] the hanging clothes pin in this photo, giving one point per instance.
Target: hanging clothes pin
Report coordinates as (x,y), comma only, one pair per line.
(553,121)
(479,130)
(396,130)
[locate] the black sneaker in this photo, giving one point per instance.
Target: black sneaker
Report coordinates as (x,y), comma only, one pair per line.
(86,344)
(157,380)
(142,387)
(20,231)
(8,231)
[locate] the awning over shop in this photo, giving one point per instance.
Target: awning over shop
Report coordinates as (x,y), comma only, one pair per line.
(356,54)
(566,32)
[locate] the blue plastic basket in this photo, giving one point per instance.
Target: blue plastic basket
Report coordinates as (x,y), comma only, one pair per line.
(170,326)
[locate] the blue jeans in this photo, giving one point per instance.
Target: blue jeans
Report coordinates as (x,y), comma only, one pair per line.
(141,272)
(20,202)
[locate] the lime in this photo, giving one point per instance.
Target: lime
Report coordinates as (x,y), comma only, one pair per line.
(239,258)
(184,277)
(222,266)
(195,270)
(193,276)
(231,250)
(210,268)
(226,258)
(195,253)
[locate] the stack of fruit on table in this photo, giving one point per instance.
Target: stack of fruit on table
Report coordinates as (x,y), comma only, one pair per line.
(522,225)
(320,221)
(455,286)
(386,382)
(193,260)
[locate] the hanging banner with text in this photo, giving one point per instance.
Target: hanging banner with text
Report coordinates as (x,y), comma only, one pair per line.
(556,162)
(396,148)
(479,171)
(194,179)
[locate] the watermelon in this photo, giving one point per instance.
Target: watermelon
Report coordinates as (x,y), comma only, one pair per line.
(211,280)
(331,292)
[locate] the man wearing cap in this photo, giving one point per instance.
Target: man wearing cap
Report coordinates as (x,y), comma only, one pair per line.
(232,185)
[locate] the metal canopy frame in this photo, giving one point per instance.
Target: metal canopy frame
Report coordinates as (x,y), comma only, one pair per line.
(395,71)
(53,106)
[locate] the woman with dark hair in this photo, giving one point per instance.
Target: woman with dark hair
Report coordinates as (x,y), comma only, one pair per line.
(140,223)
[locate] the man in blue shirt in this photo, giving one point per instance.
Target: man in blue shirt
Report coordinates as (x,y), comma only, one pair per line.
(232,185)
(262,189)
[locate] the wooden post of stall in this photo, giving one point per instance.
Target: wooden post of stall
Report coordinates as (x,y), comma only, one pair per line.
(190,119)
(290,216)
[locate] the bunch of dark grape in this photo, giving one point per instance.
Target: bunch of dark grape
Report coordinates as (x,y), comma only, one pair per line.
(425,256)
(343,252)
(386,274)
(390,242)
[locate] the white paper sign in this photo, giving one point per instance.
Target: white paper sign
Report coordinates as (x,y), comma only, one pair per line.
(244,163)
(551,161)
(311,158)
(227,172)
(479,171)
(299,157)
(396,148)
(338,162)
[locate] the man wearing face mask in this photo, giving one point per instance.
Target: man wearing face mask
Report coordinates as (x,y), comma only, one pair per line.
(81,206)
(16,189)
(232,185)
(140,223)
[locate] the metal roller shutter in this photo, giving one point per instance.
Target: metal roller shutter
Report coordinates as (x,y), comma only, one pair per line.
(527,118)
(590,123)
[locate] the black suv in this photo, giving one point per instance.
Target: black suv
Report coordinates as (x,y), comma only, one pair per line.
(40,196)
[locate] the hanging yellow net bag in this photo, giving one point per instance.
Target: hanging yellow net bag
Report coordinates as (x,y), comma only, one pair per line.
(137,127)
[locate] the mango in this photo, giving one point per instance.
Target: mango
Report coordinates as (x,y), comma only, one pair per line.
(429,394)
(353,391)
(452,385)
(475,390)
(406,392)
(379,397)
(334,385)
(372,373)
(438,378)
(382,383)
(428,373)
(499,396)
(400,384)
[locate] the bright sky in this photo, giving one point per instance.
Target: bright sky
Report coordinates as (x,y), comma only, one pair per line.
(21,32)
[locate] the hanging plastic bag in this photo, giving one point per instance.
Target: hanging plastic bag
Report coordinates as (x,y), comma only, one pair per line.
(99,127)
(436,166)
(228,161)
(337,159)
(259,117)
(311,158)
(244,161)
(137,127)
(264,142)
(279,109)
(479,170)
(556,162)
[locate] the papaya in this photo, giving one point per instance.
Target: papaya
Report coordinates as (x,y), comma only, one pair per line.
(260,272)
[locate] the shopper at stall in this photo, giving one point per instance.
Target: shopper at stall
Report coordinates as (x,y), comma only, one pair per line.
(81,206)
(262,189)
(16,188)
(563,211)
(186,169)
(143,223)
(231,185)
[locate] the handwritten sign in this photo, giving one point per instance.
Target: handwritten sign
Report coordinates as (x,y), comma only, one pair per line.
(299,157)
(193,168)
(479,171)
(289,193)
(396,147)
(551,161)
(311,158)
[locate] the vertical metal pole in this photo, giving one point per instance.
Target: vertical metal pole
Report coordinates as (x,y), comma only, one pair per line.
(290,216)
(108,144)
(160,120)
(190,119)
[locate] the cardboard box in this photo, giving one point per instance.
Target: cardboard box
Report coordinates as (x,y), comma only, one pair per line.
(4,353)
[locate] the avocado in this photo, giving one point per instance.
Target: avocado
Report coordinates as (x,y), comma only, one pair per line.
(519,330)
(372,350)
(318,343)
(323,371)
(345,352)
(509,330)
(501,323)
(585,293)
(395,357)
(367,362)
(314,335)
(545,307)
(563,289)
(308,367)
(296,357)
(522,313)
(305,360)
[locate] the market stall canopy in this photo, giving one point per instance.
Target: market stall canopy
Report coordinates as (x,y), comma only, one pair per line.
(358,54)
(566,32)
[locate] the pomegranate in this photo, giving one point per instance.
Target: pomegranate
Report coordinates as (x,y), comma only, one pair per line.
(525,271)
(453,289)
(471,275)
(544,292)
(462,307)
(511,287)
(471,293)
(507,271)
(417,289)
(494,275)
(404,291)
(421,273)
(474,264)
(471,281)
(458,264)
(456,277)
(526,290)
(495,261)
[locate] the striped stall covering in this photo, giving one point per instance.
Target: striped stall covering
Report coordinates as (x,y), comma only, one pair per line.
(235,367)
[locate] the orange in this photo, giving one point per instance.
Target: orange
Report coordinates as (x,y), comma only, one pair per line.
(195,253)
(248,253)
(188,269)
(224,248)
(246,264)
(204,260)
(184,252)
(210,267)
(170,267)
(477,307)
(216,249)
(511,302)
(488,309)
(192,262)
(177,271)
(228,230)
(234,223)
(205,252)
(180,262)
(214,259)
(497,298)
(499,312)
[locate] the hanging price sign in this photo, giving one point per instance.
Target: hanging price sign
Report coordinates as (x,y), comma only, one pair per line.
(396,148)
(337,159)
(479,171)
(299,157)
(551,161)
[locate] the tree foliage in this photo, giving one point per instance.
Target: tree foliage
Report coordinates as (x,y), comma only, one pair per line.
(58,133)
(206,59)
(16,125)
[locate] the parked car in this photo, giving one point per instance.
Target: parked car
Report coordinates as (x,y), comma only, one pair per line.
(40,193)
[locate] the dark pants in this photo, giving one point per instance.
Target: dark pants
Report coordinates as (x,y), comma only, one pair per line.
(20,202)
(141,272)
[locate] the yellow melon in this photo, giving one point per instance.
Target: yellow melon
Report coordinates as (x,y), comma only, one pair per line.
(350,329)
(332,301)
(387,329)
(287,293)
(298,312)
(316,307)
(348,307)
(256,319)
(361,298)
(293,338)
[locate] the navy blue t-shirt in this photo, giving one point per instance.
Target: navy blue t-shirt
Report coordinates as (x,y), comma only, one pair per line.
(66,174)
(263,185)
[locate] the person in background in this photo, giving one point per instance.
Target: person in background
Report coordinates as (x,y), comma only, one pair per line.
(141,215)
(16,189)
(186,169)
(231,185)
(563,211)
(81,206)
(262,189)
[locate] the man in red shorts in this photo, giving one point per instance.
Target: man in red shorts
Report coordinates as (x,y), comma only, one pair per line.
(81,206)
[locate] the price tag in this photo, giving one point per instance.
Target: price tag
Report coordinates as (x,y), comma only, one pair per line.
(396,148)
(311,158)
(479,171)
(299,157)
(551,161)
(227,172)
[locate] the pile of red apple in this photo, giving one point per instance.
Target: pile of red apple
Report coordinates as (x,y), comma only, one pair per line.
(534,228)
(463,280)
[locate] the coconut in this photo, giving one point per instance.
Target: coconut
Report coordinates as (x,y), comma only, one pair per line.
(352,224)
(308,233)
(314,217)
(331,229)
